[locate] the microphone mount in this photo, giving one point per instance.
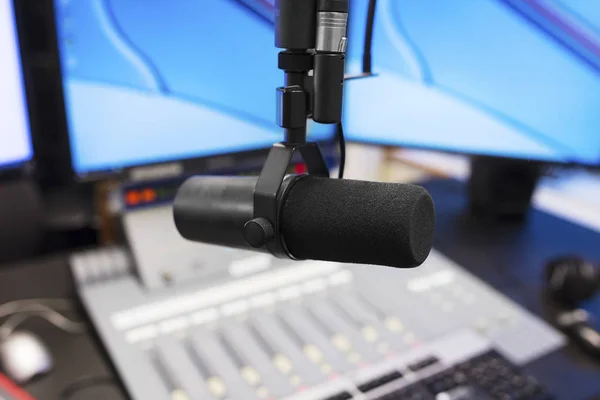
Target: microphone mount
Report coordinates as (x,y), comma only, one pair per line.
(313,36)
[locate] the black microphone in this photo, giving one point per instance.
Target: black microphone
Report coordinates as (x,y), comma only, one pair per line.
(339,220)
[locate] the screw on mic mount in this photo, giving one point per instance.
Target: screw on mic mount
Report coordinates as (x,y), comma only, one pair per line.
(258,232)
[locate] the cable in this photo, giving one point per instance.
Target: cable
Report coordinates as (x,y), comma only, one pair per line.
(367,69)
(16,306)
(342,141)
(367,58)
(45,312)
(84,383)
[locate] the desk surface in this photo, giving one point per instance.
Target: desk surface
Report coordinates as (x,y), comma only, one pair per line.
(510,257)
(74,355)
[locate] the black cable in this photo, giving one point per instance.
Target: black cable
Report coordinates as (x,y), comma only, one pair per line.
(367,58)
(342,142)
(367,69)
(84,383)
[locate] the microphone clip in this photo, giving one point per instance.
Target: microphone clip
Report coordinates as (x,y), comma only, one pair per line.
(313,36)
(270,194)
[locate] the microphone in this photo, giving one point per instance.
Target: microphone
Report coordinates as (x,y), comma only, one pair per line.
(318,218)
(309,216)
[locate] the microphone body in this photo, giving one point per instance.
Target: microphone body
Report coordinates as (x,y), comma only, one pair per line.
(214,209)
(318,218)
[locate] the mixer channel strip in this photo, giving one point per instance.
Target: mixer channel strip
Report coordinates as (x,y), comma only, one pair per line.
(344,335)
(181,376)
(373,330)
(211,351)
(289,357)
(248,371)
(318,346)
(412,328)
(258,367)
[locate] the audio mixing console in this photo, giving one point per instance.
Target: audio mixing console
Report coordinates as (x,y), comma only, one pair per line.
(253,327)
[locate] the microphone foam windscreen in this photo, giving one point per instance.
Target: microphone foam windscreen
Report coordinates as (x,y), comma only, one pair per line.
(358,222)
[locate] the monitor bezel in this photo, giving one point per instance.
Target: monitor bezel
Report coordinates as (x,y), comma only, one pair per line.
(21,168)
(234,162)
(212,164)
(399,146)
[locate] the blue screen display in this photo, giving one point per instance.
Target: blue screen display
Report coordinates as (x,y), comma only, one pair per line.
(152,81)
(15,138)
(513,78)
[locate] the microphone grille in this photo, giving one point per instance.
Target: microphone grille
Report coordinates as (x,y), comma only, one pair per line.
(358,222)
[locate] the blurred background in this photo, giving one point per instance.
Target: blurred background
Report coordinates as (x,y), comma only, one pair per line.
(107,106)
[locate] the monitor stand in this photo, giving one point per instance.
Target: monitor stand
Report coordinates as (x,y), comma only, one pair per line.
(501,189)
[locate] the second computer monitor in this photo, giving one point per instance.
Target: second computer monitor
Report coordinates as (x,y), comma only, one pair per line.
(510,78)
(168,80)
(15,140)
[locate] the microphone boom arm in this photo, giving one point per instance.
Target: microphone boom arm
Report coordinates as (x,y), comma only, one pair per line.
(313,36)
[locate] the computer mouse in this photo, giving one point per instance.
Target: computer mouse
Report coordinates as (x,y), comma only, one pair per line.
(23,356)
(572,279)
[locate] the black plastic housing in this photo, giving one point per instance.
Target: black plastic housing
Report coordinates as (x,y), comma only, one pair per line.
(214,209)
(333,5)
(295,24)
(328,87)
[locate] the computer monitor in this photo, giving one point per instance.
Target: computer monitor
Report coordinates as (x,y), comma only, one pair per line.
(168,80)
(15,138)
(508,78)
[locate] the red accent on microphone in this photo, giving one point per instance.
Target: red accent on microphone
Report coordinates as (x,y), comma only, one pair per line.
(300,169)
